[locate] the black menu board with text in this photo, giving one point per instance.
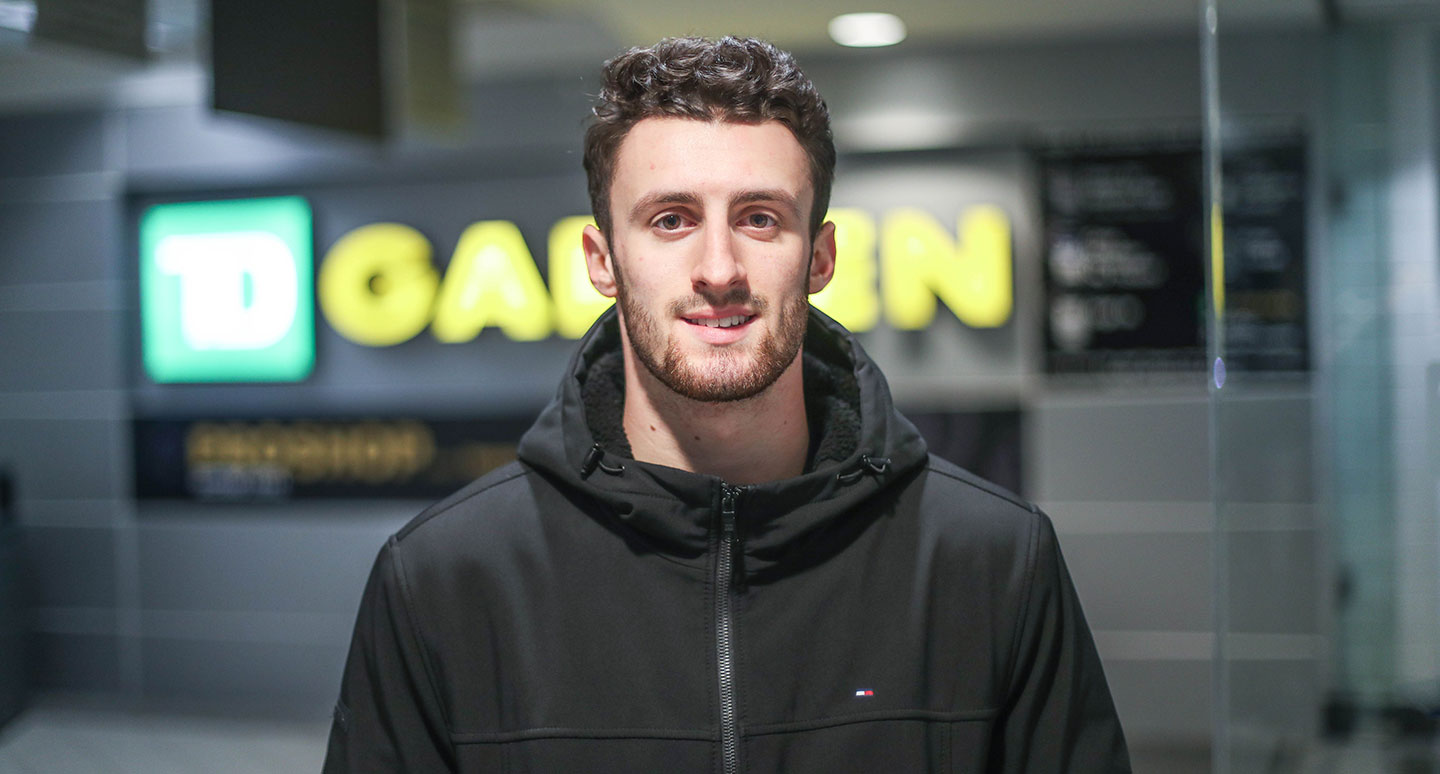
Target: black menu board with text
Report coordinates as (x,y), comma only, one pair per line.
(1125,259)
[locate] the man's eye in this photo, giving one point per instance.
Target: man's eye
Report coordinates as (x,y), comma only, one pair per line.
(759,220)
(670,222)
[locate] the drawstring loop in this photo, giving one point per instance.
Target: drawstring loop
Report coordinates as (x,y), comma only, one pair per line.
(593,460)
(875,466)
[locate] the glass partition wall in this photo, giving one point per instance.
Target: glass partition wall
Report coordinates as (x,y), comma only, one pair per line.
(1323,321)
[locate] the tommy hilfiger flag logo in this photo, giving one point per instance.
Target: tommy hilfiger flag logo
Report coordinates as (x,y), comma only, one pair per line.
(864,693)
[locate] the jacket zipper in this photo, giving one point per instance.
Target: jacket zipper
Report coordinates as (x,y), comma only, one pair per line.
(725,629)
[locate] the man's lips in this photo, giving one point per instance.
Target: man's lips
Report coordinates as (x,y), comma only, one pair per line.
(725,321)
(722,326)
(721,317)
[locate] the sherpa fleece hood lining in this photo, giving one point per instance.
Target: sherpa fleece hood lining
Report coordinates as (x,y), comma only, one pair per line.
(852,421)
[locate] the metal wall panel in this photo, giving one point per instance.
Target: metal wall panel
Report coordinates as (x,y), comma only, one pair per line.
(1107,447)
(51,144)
(72,566)
(58,241)
(242,675)
(269,564)
(86,663)
(61,350)
(1139,581)
(65,459)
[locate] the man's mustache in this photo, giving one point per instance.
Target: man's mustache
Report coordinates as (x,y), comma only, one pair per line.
(732,297)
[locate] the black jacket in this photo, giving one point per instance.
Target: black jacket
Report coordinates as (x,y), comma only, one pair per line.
(579,611)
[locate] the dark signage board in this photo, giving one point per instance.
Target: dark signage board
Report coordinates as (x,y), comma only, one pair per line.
(275,460)
(418,407)
(250,460)
(441,370)
(1265,277)
(1123,273)
(1125,259)
(420,377)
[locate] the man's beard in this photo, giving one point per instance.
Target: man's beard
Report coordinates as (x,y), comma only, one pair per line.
(724,374)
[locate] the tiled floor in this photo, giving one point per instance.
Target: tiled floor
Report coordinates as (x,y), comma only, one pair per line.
(63,738)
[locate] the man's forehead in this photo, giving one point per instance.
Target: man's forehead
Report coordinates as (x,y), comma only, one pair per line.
(681,144)
(676,159)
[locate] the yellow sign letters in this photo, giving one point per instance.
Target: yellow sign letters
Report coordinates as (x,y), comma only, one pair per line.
(378,286)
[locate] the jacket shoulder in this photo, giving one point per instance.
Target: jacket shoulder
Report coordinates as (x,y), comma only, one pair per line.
(960,482)
(961,504)
(498,491)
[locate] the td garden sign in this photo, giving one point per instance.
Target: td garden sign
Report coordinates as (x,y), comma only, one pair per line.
(228,287)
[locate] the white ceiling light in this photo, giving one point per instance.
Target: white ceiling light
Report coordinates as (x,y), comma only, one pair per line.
(867,30)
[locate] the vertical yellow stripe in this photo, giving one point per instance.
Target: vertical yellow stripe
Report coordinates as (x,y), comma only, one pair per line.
(1217,259)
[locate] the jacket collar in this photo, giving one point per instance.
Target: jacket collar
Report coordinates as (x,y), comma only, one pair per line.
(862,447)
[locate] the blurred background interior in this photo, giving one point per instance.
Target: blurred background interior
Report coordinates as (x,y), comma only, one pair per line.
(274,275)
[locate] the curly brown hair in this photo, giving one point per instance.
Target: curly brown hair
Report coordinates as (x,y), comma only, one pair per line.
(742,80)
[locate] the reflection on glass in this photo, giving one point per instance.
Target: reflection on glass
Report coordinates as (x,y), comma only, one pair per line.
(1324,471)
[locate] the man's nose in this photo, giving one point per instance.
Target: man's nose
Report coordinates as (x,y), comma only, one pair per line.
(719,267)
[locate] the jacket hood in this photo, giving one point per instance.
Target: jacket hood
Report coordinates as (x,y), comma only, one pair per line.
(860,446)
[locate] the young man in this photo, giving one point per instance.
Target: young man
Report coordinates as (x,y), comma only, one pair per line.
(721,549)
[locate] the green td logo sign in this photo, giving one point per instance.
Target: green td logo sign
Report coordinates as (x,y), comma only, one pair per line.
(226,289)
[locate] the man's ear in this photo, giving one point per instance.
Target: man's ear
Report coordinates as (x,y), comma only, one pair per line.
(822,257)
(598,261)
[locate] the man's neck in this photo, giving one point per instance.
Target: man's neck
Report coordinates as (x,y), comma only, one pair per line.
(764,438)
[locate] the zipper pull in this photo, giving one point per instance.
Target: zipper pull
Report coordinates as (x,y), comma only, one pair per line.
(731,537)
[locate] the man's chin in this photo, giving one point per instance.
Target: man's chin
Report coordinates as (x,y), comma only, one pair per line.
(717,393)
(725,381)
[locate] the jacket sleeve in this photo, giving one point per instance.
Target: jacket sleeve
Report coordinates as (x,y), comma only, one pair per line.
(1059,715)
(389,717)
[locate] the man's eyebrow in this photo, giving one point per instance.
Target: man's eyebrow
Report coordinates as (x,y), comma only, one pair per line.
(784,198)
(650,200)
